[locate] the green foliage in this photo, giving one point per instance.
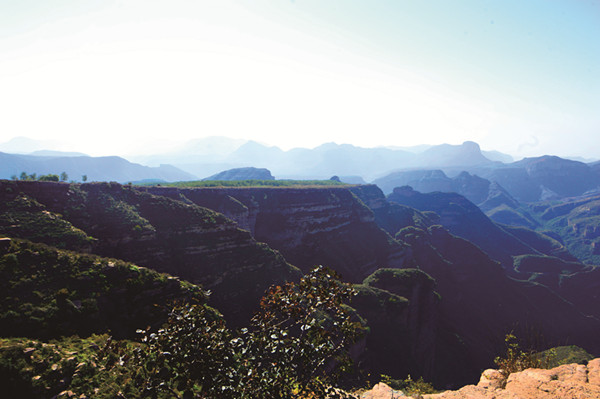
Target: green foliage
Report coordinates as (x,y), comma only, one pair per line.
(517,359)
(408,386)
(24,217)
(95,367)
(576,222)
(49,177)
(46,293)
(560,355)
(64,176)
(254,183)
(296,346)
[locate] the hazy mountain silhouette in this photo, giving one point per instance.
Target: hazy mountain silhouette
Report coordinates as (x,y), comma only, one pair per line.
(95,168)
(243,174)
(321,162)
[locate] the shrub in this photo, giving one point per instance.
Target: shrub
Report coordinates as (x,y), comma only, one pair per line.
(517,359)
(295,346)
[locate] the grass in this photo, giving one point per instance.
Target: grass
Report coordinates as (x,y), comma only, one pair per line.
(253,183)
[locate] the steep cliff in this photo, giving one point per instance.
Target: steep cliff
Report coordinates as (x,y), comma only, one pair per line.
(309,226)
(167,235)
(415,351)
(464,219)
(473,287)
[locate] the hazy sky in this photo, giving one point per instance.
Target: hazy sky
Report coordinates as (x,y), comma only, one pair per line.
(125,76)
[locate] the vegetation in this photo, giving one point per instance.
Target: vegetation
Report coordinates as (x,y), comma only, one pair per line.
(410,387)
(49,177)
(295,346)
(560,355)
(517,359)
(575,223)
(254,183)
(93,367)
(23,216)
(48,293)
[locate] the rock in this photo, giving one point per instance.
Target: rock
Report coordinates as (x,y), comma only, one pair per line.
(567,381)
(492,379)
(594,372)
(382,391)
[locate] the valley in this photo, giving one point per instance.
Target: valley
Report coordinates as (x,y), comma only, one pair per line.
(439,284)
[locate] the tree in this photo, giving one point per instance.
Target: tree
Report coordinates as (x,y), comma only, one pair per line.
(84,178)
(48,177)
(295,346)
(64,176)
(23,176)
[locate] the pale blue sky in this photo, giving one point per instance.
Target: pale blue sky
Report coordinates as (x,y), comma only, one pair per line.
(124,76)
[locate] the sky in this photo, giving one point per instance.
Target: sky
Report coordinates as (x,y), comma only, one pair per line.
(119,77)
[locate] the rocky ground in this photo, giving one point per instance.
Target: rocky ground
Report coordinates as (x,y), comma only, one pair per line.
(574,381)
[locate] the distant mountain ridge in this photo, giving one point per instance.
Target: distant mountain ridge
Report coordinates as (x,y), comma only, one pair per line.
(95,168)
(323,161)
(528,180)
(243,174)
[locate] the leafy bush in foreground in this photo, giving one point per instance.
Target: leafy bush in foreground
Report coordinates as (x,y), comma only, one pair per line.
(295,346)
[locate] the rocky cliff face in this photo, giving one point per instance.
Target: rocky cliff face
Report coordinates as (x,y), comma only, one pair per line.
(167,235)
(561,176)
(309,226)
(391,216)
(473,286)
(418,347)
(172,230)
(464,219)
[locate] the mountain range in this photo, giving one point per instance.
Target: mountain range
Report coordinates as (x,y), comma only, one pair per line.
(464,169)
(439,283)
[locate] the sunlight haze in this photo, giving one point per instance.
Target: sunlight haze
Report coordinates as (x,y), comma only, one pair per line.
(133,77)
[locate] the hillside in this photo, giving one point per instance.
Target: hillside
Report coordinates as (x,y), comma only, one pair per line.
(464,219)
(307,225)
(242,174)
(576,222)
(49,293)
(169,236)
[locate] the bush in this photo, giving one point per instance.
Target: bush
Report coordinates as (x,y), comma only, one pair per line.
(296,346)
(409,386)
(517,359)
